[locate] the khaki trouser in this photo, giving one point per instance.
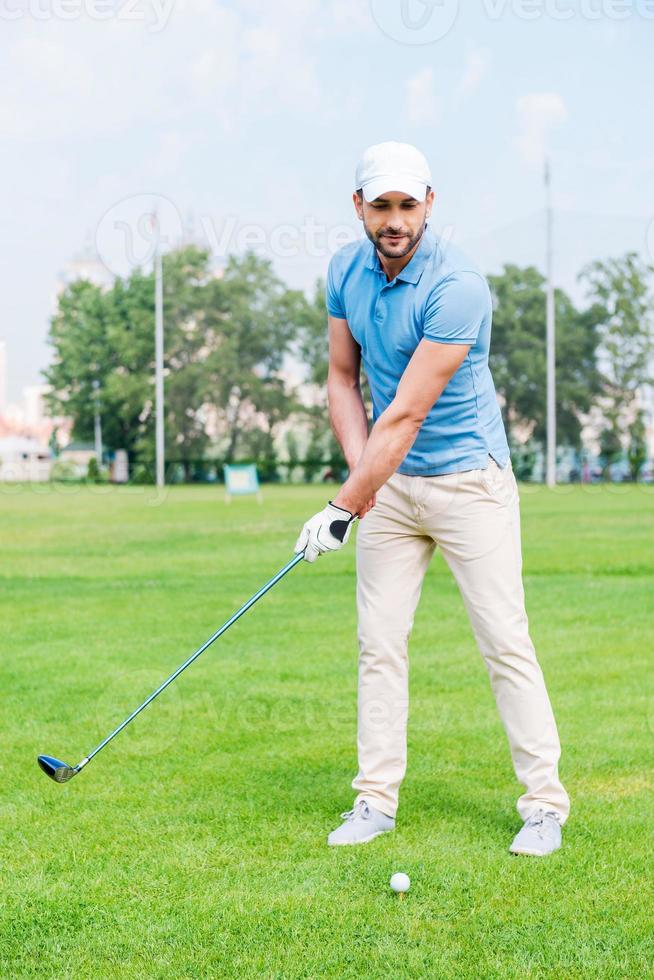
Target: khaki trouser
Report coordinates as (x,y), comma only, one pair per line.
(474,518)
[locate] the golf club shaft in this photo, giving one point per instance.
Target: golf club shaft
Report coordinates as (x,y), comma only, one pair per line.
(187,663)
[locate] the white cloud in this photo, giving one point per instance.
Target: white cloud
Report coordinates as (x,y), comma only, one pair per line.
(170,153)
(422,104)
(478,62)
(538,113)
(62,80)
(277,62)
(351,15)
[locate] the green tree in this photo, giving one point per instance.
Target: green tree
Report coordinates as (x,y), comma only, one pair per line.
(610,449)
(637,448)
(313,350)
(621,289)
(518,355)
(185,273)
(250,323)
(128,388)
(109,337)
(83,355)
(93,474)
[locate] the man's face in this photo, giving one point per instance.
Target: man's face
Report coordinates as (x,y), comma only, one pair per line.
(394,223)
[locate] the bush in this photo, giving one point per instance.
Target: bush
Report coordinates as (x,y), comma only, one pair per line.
(65,471)
(523,460)
(93,474)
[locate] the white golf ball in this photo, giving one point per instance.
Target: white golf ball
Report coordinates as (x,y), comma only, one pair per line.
(400,882)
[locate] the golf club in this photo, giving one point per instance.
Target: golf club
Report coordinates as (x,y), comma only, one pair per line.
(61,772)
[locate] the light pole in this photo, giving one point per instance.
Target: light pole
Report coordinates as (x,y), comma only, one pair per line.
(550,339)
(159,357)
(97,423)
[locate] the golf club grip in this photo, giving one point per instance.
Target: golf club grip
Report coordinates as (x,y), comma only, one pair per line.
(187,663)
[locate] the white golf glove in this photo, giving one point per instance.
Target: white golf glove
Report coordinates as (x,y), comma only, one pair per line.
(326,531)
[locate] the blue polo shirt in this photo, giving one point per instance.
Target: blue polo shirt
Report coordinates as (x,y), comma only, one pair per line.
(440,295)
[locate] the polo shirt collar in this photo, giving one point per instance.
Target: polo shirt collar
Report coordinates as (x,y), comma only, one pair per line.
(414,269)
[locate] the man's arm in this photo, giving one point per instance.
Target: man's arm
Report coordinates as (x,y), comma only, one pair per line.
(347,412)
(396,429)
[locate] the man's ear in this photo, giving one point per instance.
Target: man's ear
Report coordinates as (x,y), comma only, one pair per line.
(358,205)
(431,197)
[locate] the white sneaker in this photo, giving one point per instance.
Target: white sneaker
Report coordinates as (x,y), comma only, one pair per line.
(540,835)
(362,824)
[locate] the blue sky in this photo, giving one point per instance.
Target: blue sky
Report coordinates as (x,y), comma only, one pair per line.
(254,113)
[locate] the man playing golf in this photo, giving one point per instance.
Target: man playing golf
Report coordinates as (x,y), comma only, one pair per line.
(433,471)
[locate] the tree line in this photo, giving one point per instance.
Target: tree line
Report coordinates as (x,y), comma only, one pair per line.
(230,340)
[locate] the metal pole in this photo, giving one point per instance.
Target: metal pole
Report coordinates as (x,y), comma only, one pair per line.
(550,340)
(159,359)
(97,424)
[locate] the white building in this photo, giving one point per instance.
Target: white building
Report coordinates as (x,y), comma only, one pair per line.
(87,265)
(3,377)
(34,405)
(78,455)
(24,460)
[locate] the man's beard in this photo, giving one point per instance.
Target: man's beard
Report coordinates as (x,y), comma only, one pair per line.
(378,242)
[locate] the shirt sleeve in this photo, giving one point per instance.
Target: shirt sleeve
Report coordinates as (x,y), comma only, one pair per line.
(456,309)
(332,295)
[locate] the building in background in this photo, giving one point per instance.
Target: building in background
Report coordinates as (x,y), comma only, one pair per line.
(85,264)
(36,415)
(24,460)
(78,455)
(28,419)
(3,377)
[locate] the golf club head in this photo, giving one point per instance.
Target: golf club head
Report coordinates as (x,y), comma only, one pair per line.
(55,769)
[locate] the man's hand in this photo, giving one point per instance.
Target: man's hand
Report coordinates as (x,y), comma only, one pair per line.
(366,507)
(326,531)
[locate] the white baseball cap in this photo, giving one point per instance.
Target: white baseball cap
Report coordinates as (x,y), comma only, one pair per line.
(392,166)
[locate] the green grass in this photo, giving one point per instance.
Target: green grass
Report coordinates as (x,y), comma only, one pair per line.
(194,846)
